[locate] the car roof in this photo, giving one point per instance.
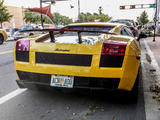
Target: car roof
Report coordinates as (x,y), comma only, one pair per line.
(95,24)
(129,20)
(128,23)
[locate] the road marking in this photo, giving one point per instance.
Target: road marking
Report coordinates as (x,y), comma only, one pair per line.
(11,95)
(6,52)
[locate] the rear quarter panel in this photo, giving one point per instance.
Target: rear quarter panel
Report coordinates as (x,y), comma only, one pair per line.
(130,66)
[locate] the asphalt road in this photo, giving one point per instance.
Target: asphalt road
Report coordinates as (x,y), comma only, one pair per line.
(63,105)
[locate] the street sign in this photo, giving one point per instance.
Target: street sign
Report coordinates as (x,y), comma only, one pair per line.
(152,5)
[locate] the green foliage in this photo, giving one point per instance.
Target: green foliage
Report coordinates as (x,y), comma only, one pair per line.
(61,20)
(4,14)
(146,31)
(143,19)
(88,17)
(35,18)
(149,33)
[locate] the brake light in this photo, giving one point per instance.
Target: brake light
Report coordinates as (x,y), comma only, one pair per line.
(111,47)
(23,45)
(133,30)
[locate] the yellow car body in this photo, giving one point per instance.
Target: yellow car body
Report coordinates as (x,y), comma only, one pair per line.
(83,62)
(3,36)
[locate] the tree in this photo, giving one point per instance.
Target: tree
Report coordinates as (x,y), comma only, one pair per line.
(88,17)
(35,18)
(143,19)
(4,14)
(61,20)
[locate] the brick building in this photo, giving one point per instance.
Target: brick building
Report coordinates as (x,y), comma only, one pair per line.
(17,19)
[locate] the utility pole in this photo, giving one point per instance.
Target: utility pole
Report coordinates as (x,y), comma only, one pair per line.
(155,21)
(78,10)
(41,13)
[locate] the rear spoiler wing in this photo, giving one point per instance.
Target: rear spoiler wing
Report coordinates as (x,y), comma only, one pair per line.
(63,30)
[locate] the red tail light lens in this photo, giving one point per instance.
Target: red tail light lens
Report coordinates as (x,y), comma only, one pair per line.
(133,30)
(23,45)
(111,47)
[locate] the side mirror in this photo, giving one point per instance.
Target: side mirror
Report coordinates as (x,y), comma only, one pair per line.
(142,35)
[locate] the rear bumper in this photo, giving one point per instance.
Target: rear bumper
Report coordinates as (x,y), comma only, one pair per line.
(30,80)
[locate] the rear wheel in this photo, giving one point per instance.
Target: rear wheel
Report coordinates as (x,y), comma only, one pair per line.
(31,34)
(1,39)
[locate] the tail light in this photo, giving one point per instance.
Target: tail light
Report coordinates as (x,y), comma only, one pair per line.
(22,50)
(133,30)
(111,47)
(23,45)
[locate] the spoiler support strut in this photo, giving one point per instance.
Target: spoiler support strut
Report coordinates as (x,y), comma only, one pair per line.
(52,36)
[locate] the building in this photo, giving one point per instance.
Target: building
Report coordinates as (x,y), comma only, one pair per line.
(17,19)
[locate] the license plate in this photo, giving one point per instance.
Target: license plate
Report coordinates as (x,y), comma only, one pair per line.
(62,81)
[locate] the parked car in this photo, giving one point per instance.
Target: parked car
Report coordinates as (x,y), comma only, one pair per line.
(3,36)
(13,30)
(130,23)
(18,34)
(8,31)
(82,55)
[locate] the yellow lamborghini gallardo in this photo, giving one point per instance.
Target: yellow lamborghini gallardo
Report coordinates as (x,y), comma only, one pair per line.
(82,55)
(3,36)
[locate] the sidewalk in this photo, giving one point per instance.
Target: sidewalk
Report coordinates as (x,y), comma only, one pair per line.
(150,62)
(155,47)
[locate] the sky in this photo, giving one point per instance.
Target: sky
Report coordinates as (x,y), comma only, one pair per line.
(110,7)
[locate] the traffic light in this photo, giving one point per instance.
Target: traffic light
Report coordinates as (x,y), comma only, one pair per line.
(132,6)
(152,5)
(122,7)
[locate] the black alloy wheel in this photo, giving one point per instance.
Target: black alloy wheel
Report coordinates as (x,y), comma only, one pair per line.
(1,39)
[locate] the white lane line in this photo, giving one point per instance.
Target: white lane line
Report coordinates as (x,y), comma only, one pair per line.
(6,52)
(11,95)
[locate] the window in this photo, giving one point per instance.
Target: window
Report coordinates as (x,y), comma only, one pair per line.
(126,31)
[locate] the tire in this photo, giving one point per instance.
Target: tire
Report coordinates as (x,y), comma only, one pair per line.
(1,39)
(31,34)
